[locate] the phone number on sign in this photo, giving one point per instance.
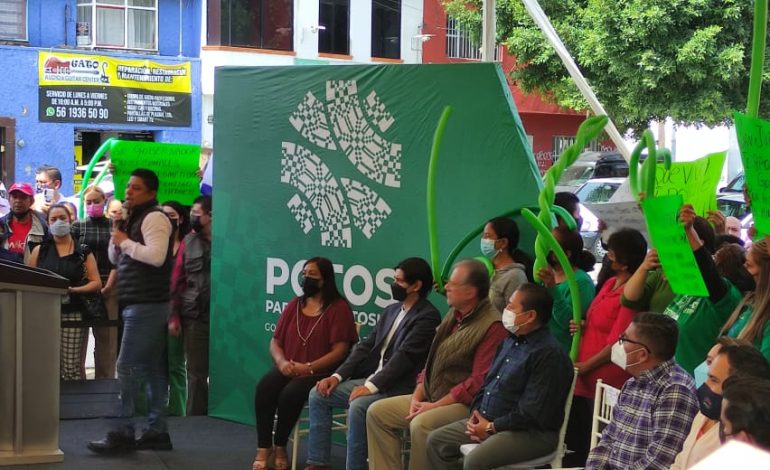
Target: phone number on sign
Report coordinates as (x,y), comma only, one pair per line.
(82,112)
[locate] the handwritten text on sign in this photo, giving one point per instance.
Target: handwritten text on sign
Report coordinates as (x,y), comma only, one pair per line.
(175,164)
(754,142)
(674,251)
(696,181)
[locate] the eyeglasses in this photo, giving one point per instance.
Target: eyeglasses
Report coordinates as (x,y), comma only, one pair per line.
(623,339)
(723,435)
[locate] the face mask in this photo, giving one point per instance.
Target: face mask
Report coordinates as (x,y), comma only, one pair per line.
(620,356)
(488,248)
(310,286)
(710,402)
(701,373)
(509,321)
(195,223)
(60,228)
(95,210)
(398,292)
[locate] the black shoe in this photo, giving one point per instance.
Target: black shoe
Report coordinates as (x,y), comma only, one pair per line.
(154,440)
(113,443)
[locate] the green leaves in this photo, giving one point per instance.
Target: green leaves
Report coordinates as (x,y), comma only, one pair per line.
(645,59)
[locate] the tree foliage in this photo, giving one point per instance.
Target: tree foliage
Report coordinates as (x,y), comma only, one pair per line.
(645,59)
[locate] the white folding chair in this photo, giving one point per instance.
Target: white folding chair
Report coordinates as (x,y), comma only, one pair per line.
(554,458)
(604,401)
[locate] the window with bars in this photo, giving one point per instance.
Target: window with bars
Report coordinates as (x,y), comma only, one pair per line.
(561,142)
(334,16)
(262,24)
(120,24)
(13,20)
(459,44)
(386,29)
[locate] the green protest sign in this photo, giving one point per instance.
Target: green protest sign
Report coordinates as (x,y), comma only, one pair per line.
(754,142)
(175,164)
(696,181)
(674,251)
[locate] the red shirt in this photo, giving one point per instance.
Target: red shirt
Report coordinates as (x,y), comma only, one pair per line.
(464,391)
(334,326)
(607,320)
(18,238)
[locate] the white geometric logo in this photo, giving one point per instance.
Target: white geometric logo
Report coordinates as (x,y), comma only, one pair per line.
(342,123)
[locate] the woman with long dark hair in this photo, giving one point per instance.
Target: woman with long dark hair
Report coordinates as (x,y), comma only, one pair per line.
(313,336)
(500,243)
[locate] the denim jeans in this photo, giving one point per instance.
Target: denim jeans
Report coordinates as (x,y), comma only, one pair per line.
(320,438)
(142,359)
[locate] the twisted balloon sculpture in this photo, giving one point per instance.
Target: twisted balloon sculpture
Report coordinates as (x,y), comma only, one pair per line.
(645,183)
(544,221)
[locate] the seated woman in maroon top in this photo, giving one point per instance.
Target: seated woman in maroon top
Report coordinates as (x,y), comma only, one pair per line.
(606,320)
(313,337)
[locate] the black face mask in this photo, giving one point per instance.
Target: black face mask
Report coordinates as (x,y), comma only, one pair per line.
(710,402)
(398,292)
(195,223)
(311,286)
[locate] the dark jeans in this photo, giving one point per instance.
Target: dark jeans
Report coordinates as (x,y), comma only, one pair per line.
(578,438)
(287,395)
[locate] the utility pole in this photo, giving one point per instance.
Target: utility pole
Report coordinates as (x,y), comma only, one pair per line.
(488,33)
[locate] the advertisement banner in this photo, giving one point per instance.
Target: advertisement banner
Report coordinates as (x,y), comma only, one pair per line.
(96,89)
(333,161)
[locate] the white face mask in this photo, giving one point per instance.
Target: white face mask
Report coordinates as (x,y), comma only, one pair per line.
(509,321)
(620,356)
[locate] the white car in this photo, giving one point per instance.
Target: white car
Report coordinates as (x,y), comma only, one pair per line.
(595,190)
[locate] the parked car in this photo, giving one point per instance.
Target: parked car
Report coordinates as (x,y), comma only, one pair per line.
(579,172)
(735,185)
(595,191)
(733,204)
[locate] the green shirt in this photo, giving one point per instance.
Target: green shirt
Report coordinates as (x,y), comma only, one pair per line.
(562,306)
(657,294)
(700,321)
(763,341)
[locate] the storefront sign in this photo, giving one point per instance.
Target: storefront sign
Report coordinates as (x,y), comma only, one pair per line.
(99,89)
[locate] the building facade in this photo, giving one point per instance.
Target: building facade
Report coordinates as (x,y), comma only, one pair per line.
(550,128)
(304,32)
(77,72)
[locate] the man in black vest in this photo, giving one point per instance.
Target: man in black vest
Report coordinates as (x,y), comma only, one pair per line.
(141,250)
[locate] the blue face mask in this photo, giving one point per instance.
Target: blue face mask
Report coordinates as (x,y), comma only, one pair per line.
(488,248)
(700,374)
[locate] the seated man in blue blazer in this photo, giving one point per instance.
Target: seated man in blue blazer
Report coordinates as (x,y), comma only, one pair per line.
(384,364)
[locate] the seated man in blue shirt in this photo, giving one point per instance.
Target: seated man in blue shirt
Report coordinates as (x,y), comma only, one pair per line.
(517,414)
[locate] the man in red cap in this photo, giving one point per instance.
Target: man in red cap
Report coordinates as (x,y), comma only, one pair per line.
(21,229)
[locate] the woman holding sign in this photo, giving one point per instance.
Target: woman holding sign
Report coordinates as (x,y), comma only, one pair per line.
(699,318)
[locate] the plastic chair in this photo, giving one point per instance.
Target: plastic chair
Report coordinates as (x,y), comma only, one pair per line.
(604,401)
(554,458)
(302,428)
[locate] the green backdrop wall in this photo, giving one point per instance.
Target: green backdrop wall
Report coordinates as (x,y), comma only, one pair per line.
(332,161)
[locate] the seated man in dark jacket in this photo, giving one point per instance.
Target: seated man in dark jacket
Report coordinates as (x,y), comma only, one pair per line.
(384,364)
(517,414)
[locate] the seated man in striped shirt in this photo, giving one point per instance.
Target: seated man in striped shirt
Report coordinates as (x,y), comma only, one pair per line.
(655,407)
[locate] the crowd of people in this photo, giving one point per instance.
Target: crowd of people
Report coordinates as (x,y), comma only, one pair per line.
(692,371)
(494,370)
(135,260)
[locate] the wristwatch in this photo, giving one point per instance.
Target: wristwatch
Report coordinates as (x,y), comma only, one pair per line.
(490,429)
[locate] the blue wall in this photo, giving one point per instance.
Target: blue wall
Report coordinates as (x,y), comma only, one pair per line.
(53,143)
